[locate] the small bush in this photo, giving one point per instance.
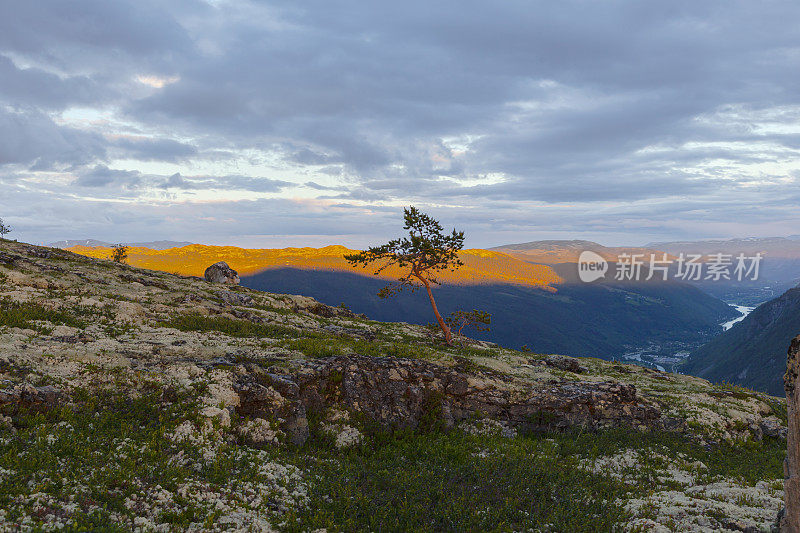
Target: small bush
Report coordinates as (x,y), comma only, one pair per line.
(119,253)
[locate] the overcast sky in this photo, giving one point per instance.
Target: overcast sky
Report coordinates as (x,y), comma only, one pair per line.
(308,123)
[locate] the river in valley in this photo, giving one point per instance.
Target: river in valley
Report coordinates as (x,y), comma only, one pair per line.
(743,309)
(670,356)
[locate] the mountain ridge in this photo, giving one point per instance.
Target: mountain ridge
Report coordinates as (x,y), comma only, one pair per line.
(94,243)
(568,251)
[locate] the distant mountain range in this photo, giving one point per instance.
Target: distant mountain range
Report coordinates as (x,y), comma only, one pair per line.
(555,260)
(786,247)
(558,252)
(779,270)
(93,243)
(752,352)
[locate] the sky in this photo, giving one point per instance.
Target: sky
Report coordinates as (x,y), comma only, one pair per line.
(306,123)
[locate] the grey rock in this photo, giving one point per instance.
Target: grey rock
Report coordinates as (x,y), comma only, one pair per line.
(791,483)
(235,298)
(773,428)
(561,362)
(328,311)
(221,273)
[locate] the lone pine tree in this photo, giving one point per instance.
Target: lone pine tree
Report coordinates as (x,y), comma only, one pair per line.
(425,252)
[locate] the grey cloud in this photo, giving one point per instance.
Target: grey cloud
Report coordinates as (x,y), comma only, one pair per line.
(318,187)
(30,137)
(38,87)
(363,81)
(76,34)
(310,157)
(627,107)
(102,176)
(147,149)
(231,182)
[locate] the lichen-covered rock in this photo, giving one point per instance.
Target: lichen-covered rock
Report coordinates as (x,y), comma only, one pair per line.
(215,414)
(260,432)
(772,427)
(235,298)
(687,501)
(561,362)
(221,273)
(399,392)
(344,436)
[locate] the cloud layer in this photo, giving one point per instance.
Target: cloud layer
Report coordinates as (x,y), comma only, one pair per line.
(286,122)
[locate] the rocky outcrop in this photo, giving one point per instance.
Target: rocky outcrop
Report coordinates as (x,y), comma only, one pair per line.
(31,397)
(791,517)
(235,298)
(407,393)
(561,362)
(221,273)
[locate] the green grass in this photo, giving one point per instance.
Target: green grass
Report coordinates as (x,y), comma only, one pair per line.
(316,346)
(62,448)
(748,461)
(108,447)
(23,315)
(438,481)
(230,326)
(332,346)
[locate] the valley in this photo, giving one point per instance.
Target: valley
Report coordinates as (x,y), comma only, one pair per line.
(670,357)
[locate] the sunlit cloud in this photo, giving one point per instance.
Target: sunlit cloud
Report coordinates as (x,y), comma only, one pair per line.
(157,82)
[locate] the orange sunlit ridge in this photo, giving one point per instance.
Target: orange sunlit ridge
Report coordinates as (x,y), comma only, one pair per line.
(480,266)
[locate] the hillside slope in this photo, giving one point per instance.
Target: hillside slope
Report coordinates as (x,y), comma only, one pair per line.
(753,352)
(135,400)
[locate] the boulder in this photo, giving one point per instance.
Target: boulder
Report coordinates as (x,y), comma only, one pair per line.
(221,273)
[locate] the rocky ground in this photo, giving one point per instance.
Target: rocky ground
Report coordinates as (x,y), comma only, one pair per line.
(141,400)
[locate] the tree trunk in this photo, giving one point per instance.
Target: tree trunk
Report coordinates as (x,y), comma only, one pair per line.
(791,486)
(448,336)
